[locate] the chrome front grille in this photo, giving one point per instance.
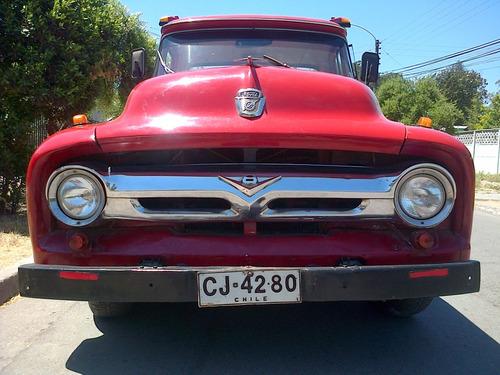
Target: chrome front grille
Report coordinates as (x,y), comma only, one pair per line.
(211,198)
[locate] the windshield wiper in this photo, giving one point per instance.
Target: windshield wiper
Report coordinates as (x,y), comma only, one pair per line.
(165,67)
(277,62)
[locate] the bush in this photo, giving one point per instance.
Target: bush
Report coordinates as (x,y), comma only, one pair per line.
(15,152)
(12,194)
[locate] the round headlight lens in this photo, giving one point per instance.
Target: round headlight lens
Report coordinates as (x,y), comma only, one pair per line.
(422,197)
(79,197)
(425,195)
(76,195)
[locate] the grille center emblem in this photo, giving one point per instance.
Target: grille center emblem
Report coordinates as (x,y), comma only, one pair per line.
(250,102)
(250,185)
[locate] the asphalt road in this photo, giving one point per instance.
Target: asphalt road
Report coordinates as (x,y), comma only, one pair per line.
(455,335)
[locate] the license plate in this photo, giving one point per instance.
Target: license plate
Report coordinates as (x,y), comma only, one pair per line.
(248,287)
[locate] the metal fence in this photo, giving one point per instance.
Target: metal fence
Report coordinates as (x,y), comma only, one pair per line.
(484,146)
(38,132)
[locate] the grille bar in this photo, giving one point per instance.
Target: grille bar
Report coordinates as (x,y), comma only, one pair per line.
(212,198)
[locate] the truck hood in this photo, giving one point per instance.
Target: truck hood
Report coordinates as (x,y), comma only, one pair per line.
(303,109)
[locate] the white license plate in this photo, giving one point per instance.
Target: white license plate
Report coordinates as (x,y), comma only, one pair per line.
(248,287)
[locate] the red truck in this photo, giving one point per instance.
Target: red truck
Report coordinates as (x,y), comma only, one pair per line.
(252,168)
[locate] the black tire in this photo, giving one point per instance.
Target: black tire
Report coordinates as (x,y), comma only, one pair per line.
(109,309)
(403,308)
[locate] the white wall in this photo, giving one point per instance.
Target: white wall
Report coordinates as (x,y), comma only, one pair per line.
(484,146)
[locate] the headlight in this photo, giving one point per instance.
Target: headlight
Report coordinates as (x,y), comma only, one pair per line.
(421,197)
(425,195)
(75,195)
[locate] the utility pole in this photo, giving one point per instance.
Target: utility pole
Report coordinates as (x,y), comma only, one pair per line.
(377,42)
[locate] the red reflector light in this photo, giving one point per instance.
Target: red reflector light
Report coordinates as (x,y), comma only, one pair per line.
(78,275)
(79,243)
(431,273)
(423,240)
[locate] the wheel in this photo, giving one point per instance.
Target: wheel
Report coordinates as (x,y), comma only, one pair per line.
(402,308)
(109,309)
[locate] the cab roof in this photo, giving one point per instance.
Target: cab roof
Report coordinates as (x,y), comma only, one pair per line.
(173,23)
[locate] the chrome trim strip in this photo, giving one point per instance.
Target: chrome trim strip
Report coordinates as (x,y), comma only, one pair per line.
(123,193)
(250,190)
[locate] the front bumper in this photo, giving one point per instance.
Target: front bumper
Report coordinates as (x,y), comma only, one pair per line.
(179,284)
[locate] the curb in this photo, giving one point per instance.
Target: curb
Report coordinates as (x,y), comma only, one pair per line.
(9,285)
(489,209)
(487,202)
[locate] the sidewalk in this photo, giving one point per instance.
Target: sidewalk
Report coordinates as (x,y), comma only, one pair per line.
(485,201)
(488,202)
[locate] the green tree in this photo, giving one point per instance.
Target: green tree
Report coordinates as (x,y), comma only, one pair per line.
(406,101)
(466,89)
(15,106)
(62,55)
(394,95)
(491,118)
(58,58)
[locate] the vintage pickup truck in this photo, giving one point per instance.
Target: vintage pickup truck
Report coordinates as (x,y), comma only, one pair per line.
(252,168)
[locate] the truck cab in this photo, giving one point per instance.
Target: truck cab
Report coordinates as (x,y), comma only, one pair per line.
(252,168)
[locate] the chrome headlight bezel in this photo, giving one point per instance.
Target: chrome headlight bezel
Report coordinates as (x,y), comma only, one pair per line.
(442,181)
(54,195)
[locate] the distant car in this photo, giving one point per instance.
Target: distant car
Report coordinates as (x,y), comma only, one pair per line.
(253,168)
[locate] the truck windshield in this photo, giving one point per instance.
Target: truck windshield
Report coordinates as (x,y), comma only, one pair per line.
(204,49)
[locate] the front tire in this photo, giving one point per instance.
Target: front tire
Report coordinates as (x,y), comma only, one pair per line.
(109,309)
(403,308)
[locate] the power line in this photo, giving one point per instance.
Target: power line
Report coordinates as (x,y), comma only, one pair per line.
(454,21)
(495,59)
(444,58)
(434,70)
(437,25)
(410,27)
(491,67)
(443,17)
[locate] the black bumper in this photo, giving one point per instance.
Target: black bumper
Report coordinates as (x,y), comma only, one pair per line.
(179,284)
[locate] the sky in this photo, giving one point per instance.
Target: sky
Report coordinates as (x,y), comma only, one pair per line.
(410,32)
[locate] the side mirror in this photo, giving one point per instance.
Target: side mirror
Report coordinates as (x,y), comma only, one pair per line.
(138,63)
(369,67)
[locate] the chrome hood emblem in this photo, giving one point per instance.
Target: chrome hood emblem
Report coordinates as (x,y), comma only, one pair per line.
(250,102)
(250,185)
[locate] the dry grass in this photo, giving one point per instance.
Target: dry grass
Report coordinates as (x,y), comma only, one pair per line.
(15,243)
(14,299)
(490,186)
(488,181)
